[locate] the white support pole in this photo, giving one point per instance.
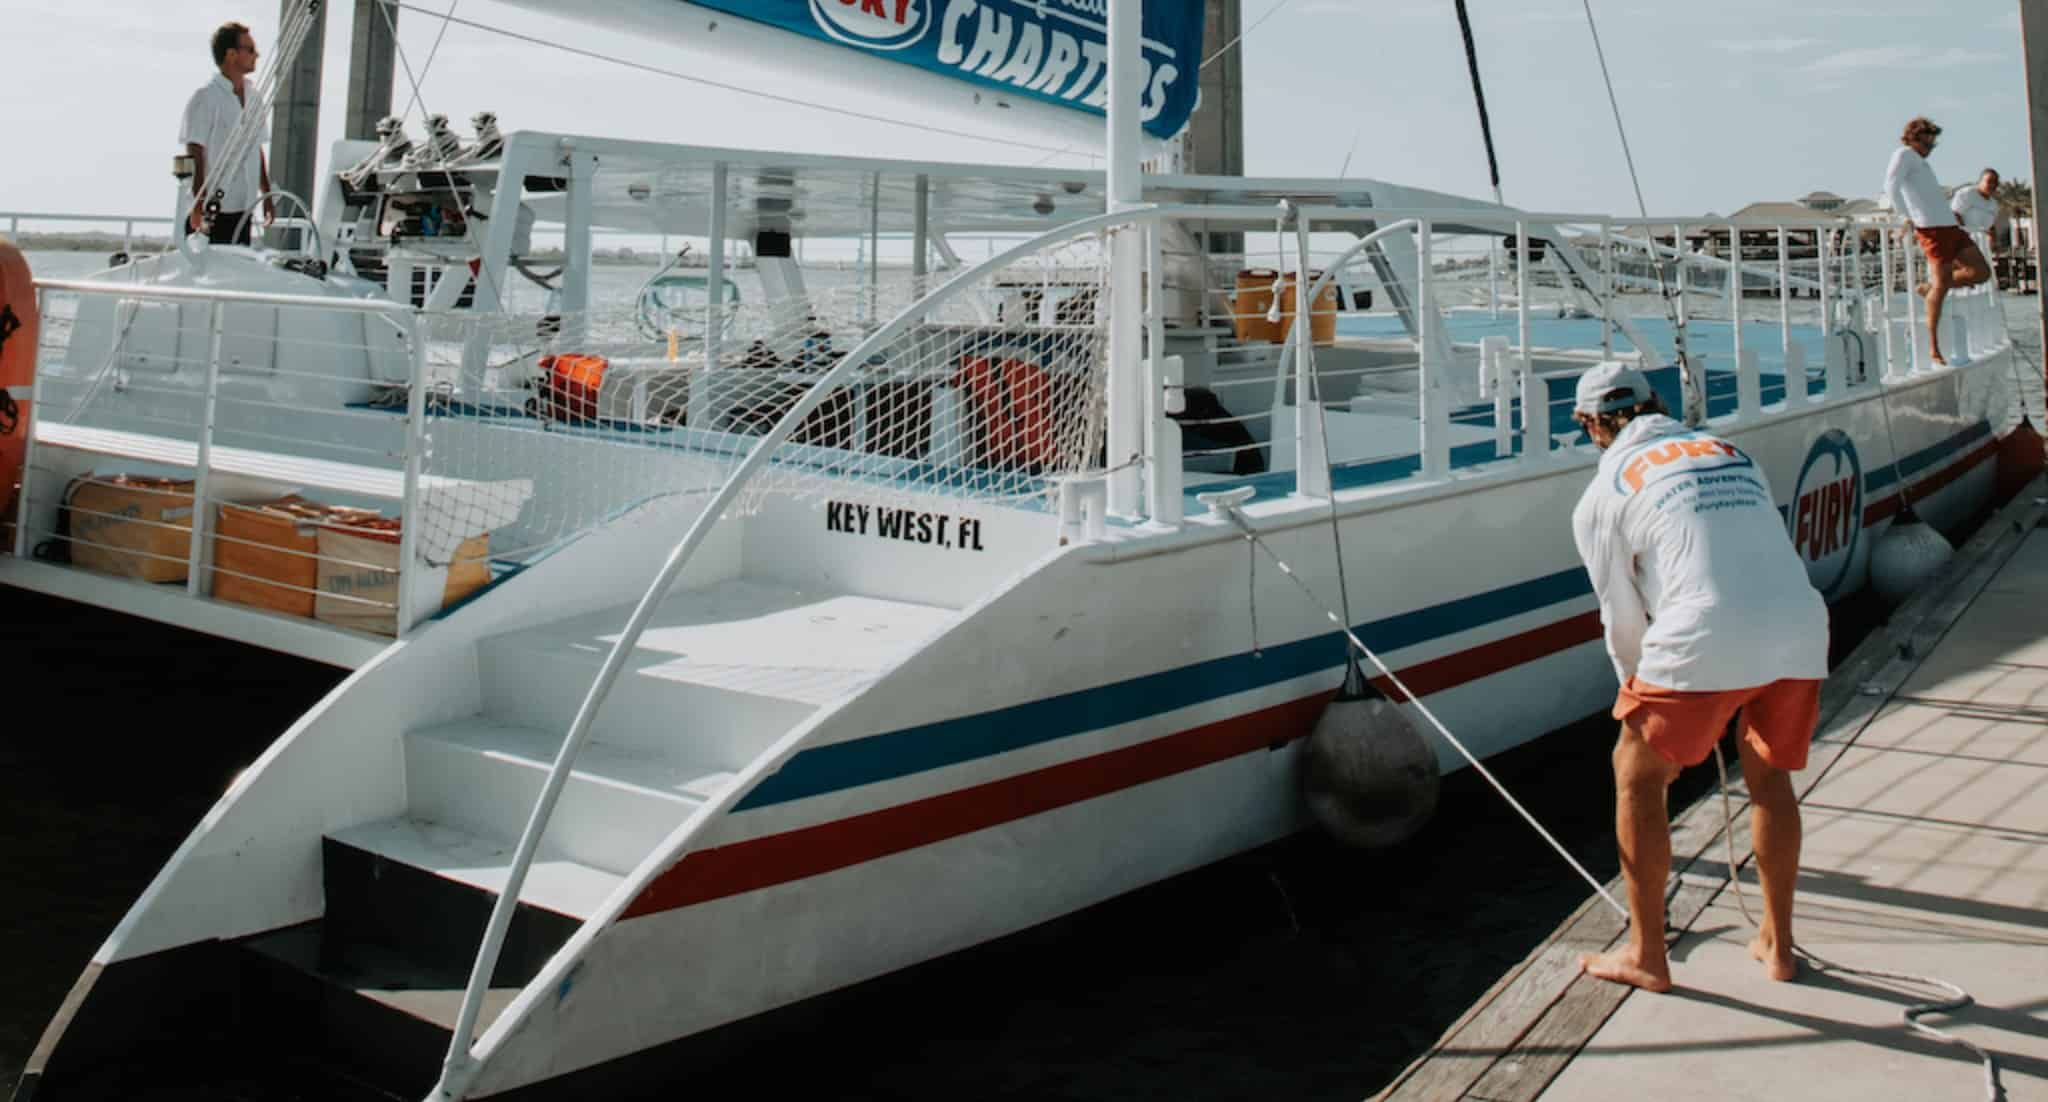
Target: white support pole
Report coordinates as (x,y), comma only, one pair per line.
(410,514)
(202,464)
(1311,445)
(1826,257)
(1535,415)
(1735,289)
(576,249)
(874,270)
(1678,251)
(1126,190)
(1607,281)
(1496,381)
(1748,386)
(1430,395)
(1494,277)
(1162,393)
(28,431)
(714,271)
(1884,296)
(921,237)
(1913,308)
(1784,292)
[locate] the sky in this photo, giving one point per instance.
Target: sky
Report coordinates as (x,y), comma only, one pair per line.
(1725,101)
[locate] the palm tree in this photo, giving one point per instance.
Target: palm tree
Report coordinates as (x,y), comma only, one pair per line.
(2016,198)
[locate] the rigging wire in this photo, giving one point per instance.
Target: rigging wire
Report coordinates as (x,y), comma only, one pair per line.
(1479,97)
(1685,371)
(432,52)
(1246,33)
(1206,62)
(657,70)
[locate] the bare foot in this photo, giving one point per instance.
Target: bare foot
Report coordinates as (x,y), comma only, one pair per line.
(1937,359)
(1623,966)
(1920,290)
(1779,964)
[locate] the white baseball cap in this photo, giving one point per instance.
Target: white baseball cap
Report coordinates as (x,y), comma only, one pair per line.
(1605,378)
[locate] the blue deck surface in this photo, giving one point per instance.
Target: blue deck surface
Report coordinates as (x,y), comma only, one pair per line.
(1714,339)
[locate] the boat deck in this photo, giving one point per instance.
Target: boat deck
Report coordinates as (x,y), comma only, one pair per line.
(1926,852)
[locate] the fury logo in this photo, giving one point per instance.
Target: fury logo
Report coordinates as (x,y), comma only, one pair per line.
(1689,455)
(873,24)
(1826,517)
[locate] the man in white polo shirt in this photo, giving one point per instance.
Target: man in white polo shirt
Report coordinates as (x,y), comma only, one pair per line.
(1953,260)
(211,115)
(1708,613)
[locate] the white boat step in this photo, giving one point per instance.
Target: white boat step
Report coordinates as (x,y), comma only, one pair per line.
(721,670)
(461,507)
(555,883)
(483,775)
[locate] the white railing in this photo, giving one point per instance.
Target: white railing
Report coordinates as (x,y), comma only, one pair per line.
(127,222)
(197,443)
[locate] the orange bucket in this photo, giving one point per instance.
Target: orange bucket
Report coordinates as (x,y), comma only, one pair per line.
(1248,309)
(1322,313)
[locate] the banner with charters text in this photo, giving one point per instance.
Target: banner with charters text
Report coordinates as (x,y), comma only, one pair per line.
(1053,51)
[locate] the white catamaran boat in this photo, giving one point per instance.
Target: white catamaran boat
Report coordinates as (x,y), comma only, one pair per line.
(727,654)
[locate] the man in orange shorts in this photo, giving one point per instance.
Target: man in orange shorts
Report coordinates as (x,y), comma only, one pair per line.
(1708,613)
(1953,260)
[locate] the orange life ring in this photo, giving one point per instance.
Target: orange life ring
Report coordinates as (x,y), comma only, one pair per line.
(19,332)
(1013,402)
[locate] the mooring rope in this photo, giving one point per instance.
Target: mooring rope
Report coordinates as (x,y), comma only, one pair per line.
(1252,536)
(1957,999)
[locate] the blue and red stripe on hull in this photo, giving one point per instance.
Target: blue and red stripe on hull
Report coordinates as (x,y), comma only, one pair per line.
(721,871)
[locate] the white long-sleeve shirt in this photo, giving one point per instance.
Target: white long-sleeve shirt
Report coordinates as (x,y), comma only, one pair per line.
(1699,587)
(1910,186)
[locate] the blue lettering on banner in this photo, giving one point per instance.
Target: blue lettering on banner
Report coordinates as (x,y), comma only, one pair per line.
(1054,51)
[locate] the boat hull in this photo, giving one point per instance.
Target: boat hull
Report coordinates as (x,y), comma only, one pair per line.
(1143,729)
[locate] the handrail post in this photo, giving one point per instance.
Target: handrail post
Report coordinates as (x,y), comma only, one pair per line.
(202,464)
(1912,313)
(1825,256)
(1735,293)
(1435,418)
(28,426)
(1607,280)
(410,514)
(1884,297)
(1784,292)
(1535,398)
(1162,394)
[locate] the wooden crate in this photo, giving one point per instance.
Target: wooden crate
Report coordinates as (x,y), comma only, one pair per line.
(358,584)
(130,526)
(266,554)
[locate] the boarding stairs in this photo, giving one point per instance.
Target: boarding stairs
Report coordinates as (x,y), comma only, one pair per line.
(723,672)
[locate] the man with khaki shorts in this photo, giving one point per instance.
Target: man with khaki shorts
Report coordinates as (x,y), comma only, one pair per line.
(1953,260)
(1708,613)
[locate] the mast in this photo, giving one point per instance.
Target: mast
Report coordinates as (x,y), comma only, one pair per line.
(1215,142)
(295,114)
(2034,40)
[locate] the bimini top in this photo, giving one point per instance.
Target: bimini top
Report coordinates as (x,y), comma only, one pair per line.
(659,188)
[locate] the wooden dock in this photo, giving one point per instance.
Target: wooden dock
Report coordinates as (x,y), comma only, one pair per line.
(1926,851)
